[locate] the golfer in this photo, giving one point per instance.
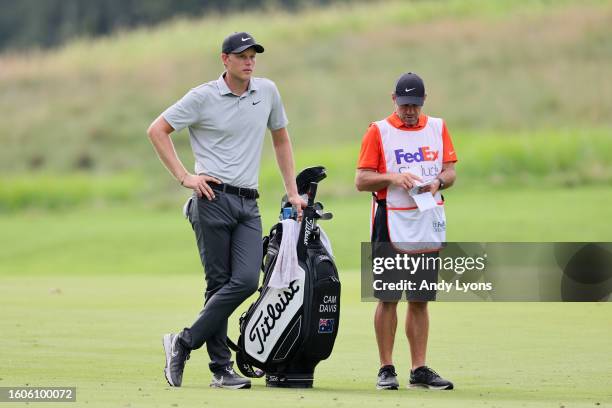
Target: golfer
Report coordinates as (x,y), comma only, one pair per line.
(227,120)
(407,149)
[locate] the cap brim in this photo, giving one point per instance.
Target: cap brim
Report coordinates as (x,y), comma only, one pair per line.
(410,100)
(258,48)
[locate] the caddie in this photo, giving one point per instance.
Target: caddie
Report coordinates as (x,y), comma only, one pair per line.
(398,153)
(227,119)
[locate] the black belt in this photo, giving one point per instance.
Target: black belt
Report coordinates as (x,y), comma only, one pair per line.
(250,193)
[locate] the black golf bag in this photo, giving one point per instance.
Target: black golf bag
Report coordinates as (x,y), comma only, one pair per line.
(288,331)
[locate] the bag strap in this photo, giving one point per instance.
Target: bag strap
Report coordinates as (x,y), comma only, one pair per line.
(232,345)
(265,242)
(245,368)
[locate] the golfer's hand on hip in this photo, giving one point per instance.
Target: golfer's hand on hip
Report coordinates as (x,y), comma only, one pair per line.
(404,180)
(199,184)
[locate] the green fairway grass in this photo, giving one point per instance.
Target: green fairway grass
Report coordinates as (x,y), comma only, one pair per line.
(102,334)
(85,296)
(124,239)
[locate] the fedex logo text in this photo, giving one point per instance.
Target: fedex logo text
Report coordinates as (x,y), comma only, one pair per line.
(423,154)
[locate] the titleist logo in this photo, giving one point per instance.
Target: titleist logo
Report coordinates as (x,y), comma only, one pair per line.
(308,230)
(263,326)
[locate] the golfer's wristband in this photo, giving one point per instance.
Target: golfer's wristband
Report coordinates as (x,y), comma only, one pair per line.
(442,184)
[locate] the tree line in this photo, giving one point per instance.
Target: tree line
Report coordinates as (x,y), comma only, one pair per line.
(48,23)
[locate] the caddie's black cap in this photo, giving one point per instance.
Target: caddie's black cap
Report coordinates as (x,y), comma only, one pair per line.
(410,90)
(238,42)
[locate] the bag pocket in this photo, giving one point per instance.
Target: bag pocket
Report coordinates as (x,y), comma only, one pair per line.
(324,313)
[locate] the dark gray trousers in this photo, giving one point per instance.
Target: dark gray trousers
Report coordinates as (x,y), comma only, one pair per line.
(228,234)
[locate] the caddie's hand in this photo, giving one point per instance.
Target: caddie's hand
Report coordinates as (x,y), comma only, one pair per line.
(299,204)
(404,180)
(199,184)
(433,187)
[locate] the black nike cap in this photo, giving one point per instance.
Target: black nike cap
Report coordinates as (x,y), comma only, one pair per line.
(410,90)
(237,42)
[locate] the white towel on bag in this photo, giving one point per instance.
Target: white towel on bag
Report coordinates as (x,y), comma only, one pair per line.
(287,269)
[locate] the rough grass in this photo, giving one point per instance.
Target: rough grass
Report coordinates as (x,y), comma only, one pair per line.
(56,193)
(489,66)
(560,158)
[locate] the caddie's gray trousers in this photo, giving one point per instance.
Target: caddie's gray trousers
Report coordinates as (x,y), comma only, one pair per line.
(228,234)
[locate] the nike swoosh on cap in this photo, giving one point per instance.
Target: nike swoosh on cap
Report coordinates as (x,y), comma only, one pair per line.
(245,39)
(408,90)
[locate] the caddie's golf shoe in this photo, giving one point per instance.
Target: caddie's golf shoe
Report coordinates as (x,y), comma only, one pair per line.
(425,377)
(387,378)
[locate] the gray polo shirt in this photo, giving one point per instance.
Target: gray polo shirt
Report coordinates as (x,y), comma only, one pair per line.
(227,131)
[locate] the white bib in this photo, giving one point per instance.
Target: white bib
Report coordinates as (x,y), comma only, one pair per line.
(419,152)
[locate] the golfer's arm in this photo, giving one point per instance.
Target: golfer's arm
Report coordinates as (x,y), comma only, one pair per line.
(159,134)
(284,158)
(448,174)
(370,180)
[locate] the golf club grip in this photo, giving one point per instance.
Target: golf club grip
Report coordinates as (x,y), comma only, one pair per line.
(308,223)
(312,193)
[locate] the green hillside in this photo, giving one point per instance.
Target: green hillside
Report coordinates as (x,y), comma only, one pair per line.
(494,68)
(523,86)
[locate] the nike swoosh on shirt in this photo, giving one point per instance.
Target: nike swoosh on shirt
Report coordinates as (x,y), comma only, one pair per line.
(255,103)
(245,39)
